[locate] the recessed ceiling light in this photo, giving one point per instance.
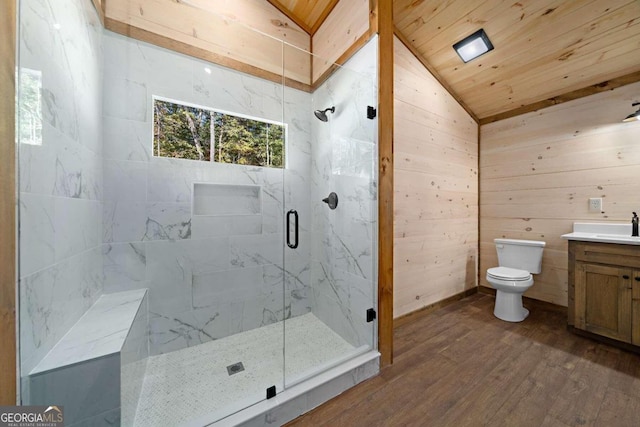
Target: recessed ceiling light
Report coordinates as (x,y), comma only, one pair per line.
(207,70)
(473,46)
(633,116)
(57,26)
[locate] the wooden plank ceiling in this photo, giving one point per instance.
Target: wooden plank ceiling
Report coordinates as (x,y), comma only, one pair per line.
(308,14)
(546,51)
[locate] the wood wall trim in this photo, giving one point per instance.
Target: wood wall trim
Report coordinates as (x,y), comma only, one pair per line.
(434,73)
(187,49)
(294,18)
(569,96)
(346,24)
(8,366)
(205,24)
(362,40)
(351,50)
(384,14)
(411,317)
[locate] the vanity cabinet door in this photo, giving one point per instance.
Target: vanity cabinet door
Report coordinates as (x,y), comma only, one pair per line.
(603,297)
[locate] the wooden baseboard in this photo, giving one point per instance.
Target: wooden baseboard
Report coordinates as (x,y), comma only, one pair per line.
(486,291)
(410,317)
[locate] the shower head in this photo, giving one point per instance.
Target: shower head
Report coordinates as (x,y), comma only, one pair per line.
(322,114)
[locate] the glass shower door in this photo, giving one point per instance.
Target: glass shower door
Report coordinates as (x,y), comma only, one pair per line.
(330,273)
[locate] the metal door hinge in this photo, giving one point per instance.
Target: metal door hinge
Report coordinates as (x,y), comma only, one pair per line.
(371,112)
(371,315)
(271,392)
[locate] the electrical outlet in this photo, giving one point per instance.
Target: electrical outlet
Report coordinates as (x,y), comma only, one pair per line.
(595,204)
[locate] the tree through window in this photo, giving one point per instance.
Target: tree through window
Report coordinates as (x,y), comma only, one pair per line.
(197,133)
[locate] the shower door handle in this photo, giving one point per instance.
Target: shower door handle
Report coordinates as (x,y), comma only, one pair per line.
(295,230)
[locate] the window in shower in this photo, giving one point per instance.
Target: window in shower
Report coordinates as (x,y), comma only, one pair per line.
(30,107)
(187,131)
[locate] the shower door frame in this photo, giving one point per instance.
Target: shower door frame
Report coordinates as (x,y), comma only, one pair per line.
(8,225)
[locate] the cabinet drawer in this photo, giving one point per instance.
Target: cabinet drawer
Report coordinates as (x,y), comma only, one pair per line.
(607,253)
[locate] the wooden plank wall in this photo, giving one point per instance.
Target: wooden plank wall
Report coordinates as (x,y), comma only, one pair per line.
(194,29)
(7,204)
(345,25)
(436,189)
(538,170)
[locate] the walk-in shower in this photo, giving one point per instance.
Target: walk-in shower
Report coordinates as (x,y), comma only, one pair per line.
(177,261)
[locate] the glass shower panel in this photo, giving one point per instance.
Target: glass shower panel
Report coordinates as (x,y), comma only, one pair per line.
(134,195)
(331,274)
(216,290)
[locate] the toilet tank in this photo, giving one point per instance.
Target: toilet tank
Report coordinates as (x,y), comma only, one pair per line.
(520,254)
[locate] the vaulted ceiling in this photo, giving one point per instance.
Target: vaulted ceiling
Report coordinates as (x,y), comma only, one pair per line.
(309,14)
(546,51)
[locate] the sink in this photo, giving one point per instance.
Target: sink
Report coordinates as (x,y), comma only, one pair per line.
(609,232)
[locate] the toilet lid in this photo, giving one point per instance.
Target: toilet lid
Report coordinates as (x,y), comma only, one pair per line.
(508,273)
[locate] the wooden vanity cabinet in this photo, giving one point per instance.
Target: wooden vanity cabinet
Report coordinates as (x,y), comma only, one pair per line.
(604,290)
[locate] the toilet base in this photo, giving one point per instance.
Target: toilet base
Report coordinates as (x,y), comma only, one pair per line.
(509,307)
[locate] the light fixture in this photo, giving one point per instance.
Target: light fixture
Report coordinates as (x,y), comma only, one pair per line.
(473,46)
(207,70)
(633,116)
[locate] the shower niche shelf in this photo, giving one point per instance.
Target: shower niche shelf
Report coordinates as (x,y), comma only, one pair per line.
(226,209)
(226,199)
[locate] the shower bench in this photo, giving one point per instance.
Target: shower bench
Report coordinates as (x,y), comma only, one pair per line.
(98,363)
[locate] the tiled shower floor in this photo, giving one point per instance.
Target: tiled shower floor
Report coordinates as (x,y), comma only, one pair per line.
(188,384)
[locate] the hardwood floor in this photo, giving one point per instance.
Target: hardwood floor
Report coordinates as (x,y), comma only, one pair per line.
(460,366)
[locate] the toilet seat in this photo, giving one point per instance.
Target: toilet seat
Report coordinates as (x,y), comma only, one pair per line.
(506,273)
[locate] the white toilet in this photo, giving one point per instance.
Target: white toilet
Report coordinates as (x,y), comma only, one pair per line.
(518,260)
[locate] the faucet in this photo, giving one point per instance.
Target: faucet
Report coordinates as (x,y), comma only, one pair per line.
(634,225)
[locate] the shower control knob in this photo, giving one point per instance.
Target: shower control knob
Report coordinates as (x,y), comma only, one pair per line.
(332,200)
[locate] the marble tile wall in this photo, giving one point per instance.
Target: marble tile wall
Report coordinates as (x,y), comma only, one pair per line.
(208,276)
(100,214)
(344,153)
(60,174)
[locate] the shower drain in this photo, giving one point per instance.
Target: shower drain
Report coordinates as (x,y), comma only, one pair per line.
(235,368)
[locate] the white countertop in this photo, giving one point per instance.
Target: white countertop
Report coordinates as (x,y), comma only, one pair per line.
(602,232)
